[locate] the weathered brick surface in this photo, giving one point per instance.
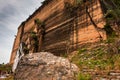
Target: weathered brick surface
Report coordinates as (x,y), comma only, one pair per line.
(64,32)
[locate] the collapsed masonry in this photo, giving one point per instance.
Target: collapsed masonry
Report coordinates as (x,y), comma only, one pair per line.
(61,26)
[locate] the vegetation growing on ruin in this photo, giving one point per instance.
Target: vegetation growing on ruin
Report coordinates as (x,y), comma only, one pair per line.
(25,50)
(33,35)
(39,22)
(109,30)
(112,14)
(34,40)
(40,26)
(100,56)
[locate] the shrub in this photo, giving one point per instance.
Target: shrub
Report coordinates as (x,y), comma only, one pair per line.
(25,50)
(37,21)
(110,14)
(108,29)
(33,35)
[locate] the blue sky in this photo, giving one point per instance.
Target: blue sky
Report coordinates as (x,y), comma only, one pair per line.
(12,13)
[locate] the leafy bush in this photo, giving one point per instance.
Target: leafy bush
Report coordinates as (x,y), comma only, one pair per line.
(25,50)
(37,21)
(108,29)
(33,35)
(110,14)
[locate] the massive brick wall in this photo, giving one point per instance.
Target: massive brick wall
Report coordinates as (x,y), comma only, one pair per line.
(67,33)
(64,31)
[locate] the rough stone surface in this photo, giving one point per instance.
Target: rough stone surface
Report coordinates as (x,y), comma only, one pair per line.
(103,74)
(45,66)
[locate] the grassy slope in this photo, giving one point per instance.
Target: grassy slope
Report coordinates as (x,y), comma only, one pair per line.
(98,57)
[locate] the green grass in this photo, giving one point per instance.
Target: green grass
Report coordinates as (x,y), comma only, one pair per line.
(81,76)
(96,58)
(82,50)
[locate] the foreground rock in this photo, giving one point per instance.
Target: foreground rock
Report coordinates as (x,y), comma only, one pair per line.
(45,66)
